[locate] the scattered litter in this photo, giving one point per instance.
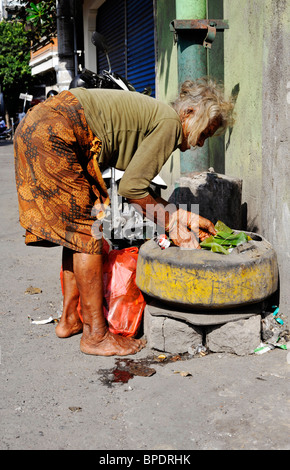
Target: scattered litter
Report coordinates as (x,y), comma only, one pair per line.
(75,408)
(161,357)
(183,373)
(140,369)
(275,313)
(163,241)
(175,358)
(281,346)
(199,350)
(203,353)
(33,290)
(166,359)
(265,347)
(42,322)
(274,331)
(51,319)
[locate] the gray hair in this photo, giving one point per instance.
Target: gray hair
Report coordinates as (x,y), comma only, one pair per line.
(203,102)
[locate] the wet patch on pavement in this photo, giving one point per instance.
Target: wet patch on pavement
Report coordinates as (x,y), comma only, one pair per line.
(125,369)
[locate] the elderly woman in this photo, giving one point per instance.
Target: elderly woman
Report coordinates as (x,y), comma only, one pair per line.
(61,148)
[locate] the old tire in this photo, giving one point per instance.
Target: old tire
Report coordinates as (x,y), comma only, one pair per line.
(202,279)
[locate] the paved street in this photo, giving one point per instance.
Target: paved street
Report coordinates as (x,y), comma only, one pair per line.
(55,397)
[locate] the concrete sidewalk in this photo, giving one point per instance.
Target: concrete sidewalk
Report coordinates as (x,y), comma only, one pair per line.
(55,397)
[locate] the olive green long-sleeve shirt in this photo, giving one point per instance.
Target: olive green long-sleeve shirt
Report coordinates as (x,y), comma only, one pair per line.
(138,134)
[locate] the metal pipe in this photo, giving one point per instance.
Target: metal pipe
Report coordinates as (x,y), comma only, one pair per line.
(192,64)
(126,43)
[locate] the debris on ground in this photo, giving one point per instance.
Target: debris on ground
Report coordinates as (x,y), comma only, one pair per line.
(274,332)
(75,408)
(51,319)
(200,350)
(183,373)
(33,290)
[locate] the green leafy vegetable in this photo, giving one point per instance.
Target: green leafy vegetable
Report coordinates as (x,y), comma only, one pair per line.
(221,227)
(224,240)
(216,248)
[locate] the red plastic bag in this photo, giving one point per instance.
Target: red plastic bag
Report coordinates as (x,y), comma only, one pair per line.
(123,301)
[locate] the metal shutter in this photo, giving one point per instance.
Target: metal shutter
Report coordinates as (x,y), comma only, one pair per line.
(141,44)
(131,23)
(111,24)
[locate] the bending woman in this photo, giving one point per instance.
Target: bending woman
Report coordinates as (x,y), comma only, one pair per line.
(63,145)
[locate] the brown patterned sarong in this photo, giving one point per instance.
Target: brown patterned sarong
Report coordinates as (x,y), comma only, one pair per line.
(60,187)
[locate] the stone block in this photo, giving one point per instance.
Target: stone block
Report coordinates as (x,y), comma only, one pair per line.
(170,335)
(153,330)
(239,337)
(218,196)
(179,336)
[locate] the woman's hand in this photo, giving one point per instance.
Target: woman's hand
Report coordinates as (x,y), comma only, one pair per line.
(186,228)
(200,226)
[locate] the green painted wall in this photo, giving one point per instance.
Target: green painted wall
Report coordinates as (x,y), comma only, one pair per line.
(257,67)
(215,68)
(244,74)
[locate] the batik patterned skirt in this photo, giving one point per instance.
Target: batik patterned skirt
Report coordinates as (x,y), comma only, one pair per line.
(61,191)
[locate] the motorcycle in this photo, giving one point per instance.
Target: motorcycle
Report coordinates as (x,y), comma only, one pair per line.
(123,225)
(106,79)
(6,134)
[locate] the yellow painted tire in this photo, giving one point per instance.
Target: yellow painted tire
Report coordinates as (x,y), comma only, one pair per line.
(200,278)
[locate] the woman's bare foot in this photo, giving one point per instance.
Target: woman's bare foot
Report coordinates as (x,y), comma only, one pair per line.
(68,327)
(96,338)
(110,344)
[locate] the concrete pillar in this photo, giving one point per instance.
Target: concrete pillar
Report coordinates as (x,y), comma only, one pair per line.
(65,33)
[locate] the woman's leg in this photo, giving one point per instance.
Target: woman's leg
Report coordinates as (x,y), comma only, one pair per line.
(96,338)
(70,322)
